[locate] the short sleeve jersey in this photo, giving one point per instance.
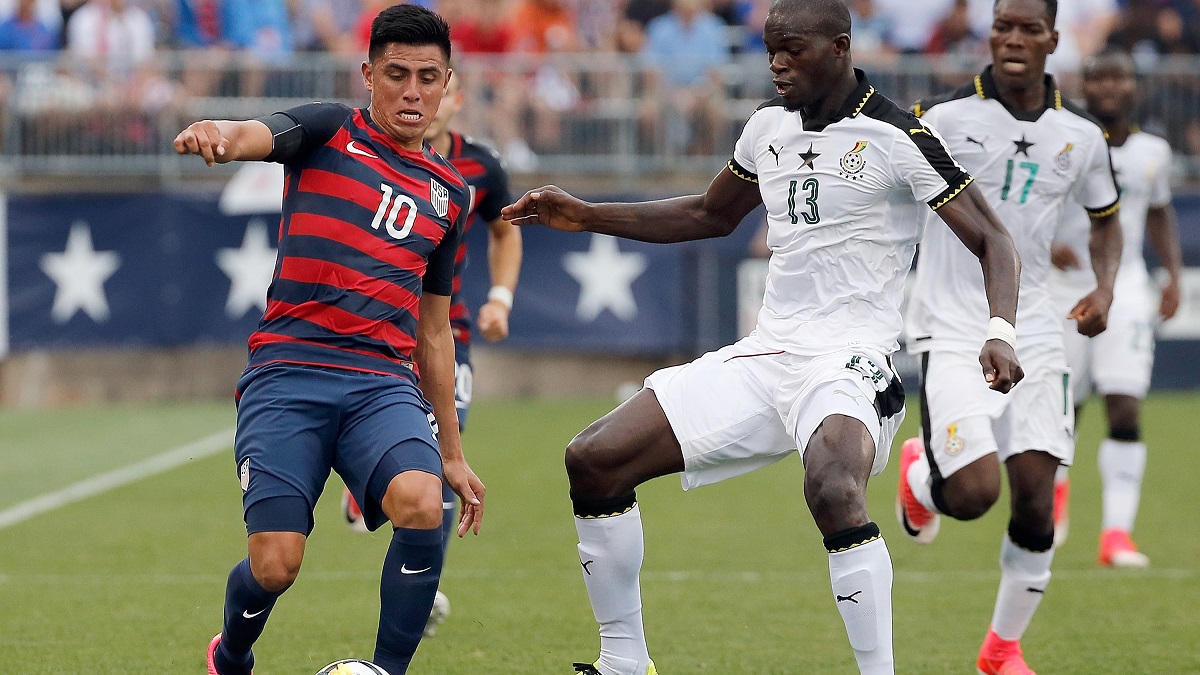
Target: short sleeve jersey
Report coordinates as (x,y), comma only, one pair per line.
(1142,165)
(836,274)
(484,172)
(367,227)
(1028,166)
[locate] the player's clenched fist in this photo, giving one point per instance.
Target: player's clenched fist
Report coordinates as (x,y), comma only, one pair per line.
(1091,313)
(202,138)
(551,206)
(1000,365)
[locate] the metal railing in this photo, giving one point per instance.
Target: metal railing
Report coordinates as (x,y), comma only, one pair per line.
(599,114)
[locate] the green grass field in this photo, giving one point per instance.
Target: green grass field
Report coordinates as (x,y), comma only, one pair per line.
(735,580)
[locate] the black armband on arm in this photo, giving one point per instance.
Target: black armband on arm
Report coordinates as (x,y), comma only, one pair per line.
(300,130)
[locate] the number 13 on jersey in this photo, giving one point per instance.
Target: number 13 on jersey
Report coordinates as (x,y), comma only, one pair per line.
(809,210)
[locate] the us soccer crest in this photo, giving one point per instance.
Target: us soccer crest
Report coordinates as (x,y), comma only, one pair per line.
(1063,159)
(244,474)
(439,197)
(853,162)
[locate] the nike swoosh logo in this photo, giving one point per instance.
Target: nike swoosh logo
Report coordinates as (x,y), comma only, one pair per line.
(248,615)
(404,570)
(356,151)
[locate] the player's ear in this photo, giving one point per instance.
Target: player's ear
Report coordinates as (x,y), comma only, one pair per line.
(1053,41)
(841,44)
(449,74)
(366,74)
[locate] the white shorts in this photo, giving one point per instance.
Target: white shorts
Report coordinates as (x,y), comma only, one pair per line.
(744,406)
(1119,360)
(964,420)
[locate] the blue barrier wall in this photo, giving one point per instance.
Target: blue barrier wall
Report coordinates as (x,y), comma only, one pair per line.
(171,269)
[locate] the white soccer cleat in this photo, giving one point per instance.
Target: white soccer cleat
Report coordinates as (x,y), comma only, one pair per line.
(441,610)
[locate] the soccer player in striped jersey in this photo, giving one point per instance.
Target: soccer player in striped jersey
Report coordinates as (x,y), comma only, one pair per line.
(828,157)
(359,305)
(1117,362)
(485,173)
(1031,151)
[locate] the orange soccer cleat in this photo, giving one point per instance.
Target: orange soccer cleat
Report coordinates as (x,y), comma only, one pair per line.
(1118,550)
(1001,657)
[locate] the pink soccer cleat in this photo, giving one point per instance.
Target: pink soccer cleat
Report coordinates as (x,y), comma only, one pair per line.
(920,523)
(212,655)
(1062,516)
(1118,550)
(1001,657)
(352,512)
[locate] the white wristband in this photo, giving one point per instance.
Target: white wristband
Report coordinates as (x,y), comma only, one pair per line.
(1000,329)
(501,295)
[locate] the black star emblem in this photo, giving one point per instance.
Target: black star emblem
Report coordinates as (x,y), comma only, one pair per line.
(1023,146)
(808,157)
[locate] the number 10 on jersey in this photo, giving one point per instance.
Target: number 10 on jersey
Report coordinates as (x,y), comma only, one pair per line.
(809,212)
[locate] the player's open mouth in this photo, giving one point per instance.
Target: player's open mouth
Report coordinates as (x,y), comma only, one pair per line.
(410,116)
(781,86)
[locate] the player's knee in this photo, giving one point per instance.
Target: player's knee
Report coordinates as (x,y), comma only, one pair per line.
(833,496)
(1035,515)
(415,504)
(967,500)
(583,469)
(276,568)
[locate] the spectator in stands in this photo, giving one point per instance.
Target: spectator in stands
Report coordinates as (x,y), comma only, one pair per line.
(871,31)
(911,22)
(596,24)
(685,50)
(543,26)
(24,32)
(262,30)
(328,26)
(48,12)
(953,34)
(200,25)
(631,29)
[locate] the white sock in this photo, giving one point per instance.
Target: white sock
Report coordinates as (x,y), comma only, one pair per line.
(610,551)
(1024,576)
(1122,465)
(862,589)
(921,483)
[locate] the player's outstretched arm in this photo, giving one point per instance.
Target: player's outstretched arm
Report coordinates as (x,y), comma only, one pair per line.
(715,213)
(1091,313)
(980,230)
(1163,233)
(221,141)
(504,262)
(434,356)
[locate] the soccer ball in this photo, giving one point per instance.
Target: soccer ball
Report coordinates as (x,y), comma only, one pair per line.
(352,667)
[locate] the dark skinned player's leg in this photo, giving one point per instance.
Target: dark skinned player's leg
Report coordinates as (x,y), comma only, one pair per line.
(837,463)
(1027,549)
(605,463)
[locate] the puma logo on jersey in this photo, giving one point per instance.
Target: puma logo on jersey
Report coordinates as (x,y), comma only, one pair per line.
(773,151)
(972,140)
(918,130)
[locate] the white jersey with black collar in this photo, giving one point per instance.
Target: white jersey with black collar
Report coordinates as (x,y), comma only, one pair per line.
(1142,165)
(838,263)
(1028,166)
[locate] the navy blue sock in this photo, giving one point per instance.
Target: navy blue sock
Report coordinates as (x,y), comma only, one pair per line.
(247,606)
(449,517)
(410,577)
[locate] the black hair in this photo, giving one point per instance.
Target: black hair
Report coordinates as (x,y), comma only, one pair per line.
(408,25)
(826,18)
(1051,9)
(1110,58)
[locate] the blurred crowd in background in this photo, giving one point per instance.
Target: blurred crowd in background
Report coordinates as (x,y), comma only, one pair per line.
(147,56)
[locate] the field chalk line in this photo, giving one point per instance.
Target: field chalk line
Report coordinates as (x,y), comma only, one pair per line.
(111,480)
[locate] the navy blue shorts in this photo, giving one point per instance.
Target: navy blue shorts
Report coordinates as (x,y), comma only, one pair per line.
(464,379)
(295,423)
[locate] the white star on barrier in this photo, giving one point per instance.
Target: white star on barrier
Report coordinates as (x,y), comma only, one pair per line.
(79,273)
(249,269)
(605,277)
